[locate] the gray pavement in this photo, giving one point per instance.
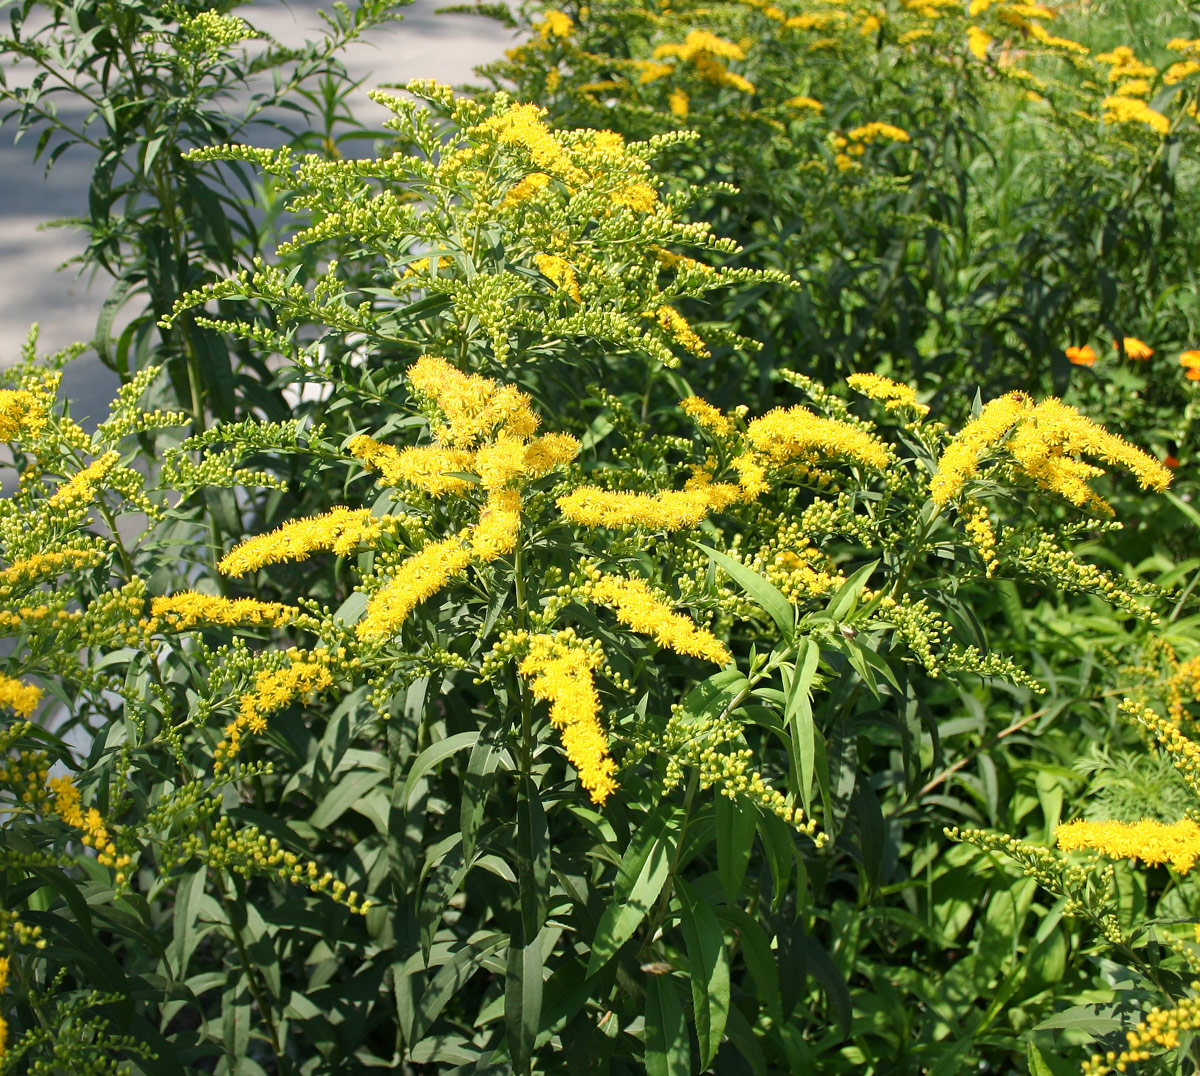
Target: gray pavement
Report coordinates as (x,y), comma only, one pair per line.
(32,286)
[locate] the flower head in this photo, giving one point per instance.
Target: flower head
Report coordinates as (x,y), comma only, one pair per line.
(1082,356)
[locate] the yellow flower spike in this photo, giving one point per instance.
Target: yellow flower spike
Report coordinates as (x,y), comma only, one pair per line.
(430,468)
(560,672)
(339,530)
(706,416)
(670,510)
(559,271)
(1151,842)
(639,609)
(527,188)
(419,577)
(978,42)
(892,393)
(878,132)
(961,458)
(678,103)
(555,24)
(783,435)
(80,488)
(19,697)
(499,525)
(189,609)
(22,414)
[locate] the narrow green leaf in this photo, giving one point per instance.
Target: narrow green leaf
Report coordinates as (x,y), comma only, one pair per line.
(798,715)
(762,591)
(523,1002)
(667,1050)
(1037,1063)
(350,788)
(533,854)
(430,757)
(640,879)
(708,970)
(842,604)
(736,821)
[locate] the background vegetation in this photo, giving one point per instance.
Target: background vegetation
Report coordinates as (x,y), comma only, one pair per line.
(638,577)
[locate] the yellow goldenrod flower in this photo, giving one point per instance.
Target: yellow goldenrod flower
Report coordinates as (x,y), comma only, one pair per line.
(426,467)
(340,530)
(419,577)
(978,42)
(637,607)
(555,24)
(961,458)
(649,71)
(186,610)
(783,435)
(877,132)
(473,406)
(1154,843)
(521,124)
(870,25)
(81,487)
(670,510)
(1124,64)
(547,452)
(684,335)
(701,43)
(1119,109)
(1177,72)
(560,673)
(893,393)
(559,271)
(1040,34)
(499,525)
(19,697)
(525,189)
(706,416)
(43,566)
(500,462)
(978,525)
(1081,356)
(802,102)
(21,413)
(678,102)
(273,690)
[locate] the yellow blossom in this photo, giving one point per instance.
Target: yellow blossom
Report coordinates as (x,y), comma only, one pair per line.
(426,467)
(525,189)
(21,413)
(499,525)
(560,271)
(684,335)
(706,416)
(670,510)
(473,406)
(556,24)
(893,393)
(419,577)
(803,102)
(340,530)
(784,435)
(81,487)
(560,673)
(678,102)
(273,690)
(1154,843)
(1177,72)
(19,697)
(637,607)
(877,132)
(187,609)
(978,42)
(961,457)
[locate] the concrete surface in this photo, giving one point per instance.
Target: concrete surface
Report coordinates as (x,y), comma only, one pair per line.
(32,287)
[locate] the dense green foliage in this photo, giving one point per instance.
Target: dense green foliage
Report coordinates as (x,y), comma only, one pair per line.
(609,584)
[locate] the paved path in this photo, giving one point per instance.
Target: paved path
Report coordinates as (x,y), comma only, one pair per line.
(424,45)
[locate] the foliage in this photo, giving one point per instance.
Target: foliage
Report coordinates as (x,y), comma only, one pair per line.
(546,665)
(138,85)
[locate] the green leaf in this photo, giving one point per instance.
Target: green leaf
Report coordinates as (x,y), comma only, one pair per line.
(350,788)
(762,591)
(798,714)
(708,970)
(842,604)
(640,879)
(736,820)
(523,1001)
(667,1050)
(533,853)
(430,757)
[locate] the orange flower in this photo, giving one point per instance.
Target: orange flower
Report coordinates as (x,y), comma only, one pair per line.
(1134,348)
(1190,361)
(1171,461)
(1081,356)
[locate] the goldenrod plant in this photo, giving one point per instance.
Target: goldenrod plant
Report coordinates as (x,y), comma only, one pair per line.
(496,801)
(904,161)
